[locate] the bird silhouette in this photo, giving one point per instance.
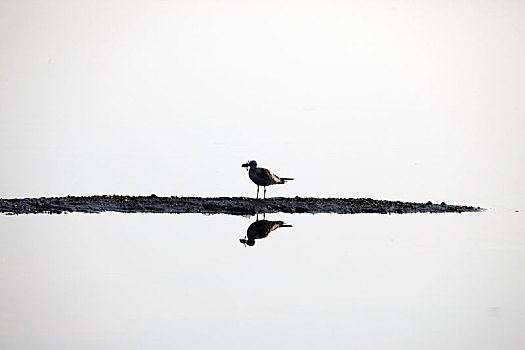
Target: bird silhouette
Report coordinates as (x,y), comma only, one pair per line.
(261,229)
(263,177)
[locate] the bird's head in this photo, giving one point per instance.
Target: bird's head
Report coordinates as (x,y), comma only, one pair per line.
(249,241)
(251,163)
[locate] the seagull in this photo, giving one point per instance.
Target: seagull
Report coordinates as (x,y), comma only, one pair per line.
(263,176)
(260,229)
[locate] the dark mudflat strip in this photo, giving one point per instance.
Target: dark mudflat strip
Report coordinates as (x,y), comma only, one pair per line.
(220,205)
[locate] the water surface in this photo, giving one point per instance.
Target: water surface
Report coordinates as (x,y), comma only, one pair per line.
(371,281)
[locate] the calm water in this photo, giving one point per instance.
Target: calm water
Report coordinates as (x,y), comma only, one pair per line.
(451,281)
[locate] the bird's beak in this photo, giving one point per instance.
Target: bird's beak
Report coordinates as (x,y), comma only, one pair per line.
(245,165)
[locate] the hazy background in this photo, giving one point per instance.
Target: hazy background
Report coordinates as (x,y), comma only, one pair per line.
(386,99)
(403,100)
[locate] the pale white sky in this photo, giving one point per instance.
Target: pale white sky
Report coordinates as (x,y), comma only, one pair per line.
(409,100)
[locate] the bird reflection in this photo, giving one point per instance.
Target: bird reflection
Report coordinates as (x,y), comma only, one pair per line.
(260,229)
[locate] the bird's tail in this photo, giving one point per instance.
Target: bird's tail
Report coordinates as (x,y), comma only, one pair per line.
(280,180)
(282,224)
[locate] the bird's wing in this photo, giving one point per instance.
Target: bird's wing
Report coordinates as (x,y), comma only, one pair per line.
(264,173)
(276,179)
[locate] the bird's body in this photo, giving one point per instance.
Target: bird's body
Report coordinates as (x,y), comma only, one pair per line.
(263,176)
(260,229)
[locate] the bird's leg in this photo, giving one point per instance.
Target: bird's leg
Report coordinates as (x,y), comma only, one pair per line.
(257,191)
(264,192)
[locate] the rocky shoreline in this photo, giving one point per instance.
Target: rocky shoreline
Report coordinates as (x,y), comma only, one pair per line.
(219,205)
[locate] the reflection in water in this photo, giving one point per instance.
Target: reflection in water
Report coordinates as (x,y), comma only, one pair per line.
(260,229)
(116,281)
